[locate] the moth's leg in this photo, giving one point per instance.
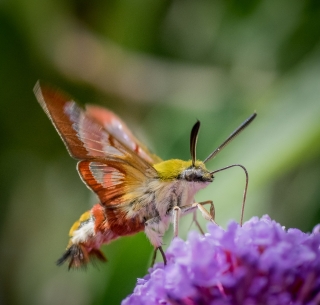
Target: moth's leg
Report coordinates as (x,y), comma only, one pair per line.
(185,209)
(177,212)
(155,256)
(195,220)
(163,255)
(154,229)
(206,215)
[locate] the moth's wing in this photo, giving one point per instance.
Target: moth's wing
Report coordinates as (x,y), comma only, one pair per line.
(115,172)
(114,182)
(84,137)
(119,187)
(115,126)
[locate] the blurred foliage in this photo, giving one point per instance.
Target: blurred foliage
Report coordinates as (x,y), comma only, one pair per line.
(160,65)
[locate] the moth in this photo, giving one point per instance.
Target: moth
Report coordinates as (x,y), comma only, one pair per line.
(137,191)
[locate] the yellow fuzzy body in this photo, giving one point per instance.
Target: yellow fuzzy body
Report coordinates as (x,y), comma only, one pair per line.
(84,217)
(170,170)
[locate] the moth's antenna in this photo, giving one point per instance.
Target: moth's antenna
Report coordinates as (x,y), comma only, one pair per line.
(245,188)
(231,137)
(193,141)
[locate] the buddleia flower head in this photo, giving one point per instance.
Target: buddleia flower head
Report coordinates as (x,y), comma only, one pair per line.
(258,263)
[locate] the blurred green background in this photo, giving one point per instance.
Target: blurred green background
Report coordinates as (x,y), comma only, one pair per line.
(160,65)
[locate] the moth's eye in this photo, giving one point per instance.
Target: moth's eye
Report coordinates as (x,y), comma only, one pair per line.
(189,175)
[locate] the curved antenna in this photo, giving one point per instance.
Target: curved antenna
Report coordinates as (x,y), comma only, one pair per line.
(193,141)
(231,137)
(245,188)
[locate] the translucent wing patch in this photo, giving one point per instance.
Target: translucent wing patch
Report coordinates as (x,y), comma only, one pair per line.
(115,126)
(114,184)
(96,141)
(106,175)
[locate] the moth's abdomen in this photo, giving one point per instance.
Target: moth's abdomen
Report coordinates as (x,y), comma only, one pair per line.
(94,228)
(86,237)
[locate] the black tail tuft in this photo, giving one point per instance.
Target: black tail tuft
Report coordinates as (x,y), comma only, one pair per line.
(78,256)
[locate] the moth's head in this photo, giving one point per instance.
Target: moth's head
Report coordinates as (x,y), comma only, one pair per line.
(191,171)
(195,170)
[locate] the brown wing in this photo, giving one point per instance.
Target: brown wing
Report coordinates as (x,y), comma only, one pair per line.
(111,169)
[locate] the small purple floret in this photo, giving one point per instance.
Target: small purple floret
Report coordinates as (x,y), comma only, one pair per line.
(258,263)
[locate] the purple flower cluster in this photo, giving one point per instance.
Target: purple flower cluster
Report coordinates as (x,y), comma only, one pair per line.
(258,263)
